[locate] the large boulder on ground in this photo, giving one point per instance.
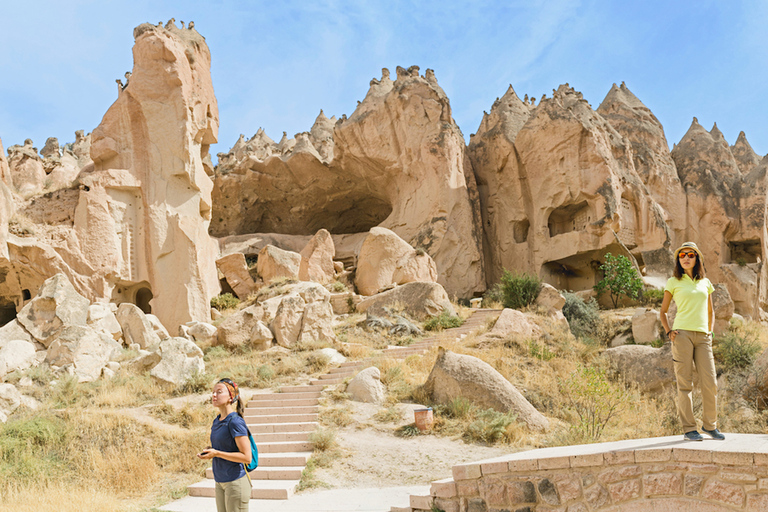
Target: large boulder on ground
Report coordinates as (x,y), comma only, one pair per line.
(235,270)
(56,305)
(146,360)
(102,318)
(199,332)
(387,259)
(238,328)
(10,400)
(724,308)
(317,259)
(333,355)
(420,300)
(16,355)
(549,298)
(158,327)
(180,360)
(646,326)
(317,323)
(514,323)
(287,322)
(275,263)
(651,369)
(13,330)
(366,386)
(456,375)
(87,350)
(136,326)
(304,314)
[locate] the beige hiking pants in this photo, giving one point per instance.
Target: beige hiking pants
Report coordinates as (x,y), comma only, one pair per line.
(689,348)
(233,496)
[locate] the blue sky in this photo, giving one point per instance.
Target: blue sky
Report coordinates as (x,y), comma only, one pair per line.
(276,64)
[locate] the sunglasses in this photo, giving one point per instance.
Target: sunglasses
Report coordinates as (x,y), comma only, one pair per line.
(686,255)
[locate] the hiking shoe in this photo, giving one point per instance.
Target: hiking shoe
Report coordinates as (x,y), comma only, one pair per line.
(694,435)
(714,434)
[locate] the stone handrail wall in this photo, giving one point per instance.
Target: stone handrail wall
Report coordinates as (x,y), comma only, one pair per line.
(662,474)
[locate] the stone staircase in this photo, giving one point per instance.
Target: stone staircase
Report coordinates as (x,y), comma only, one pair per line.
(479,319)
(281,422)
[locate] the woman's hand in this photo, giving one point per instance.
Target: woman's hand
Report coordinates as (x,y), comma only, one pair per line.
(207,454)
(672,335)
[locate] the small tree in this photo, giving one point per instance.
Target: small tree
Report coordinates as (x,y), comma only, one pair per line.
(620,278)
(518,290)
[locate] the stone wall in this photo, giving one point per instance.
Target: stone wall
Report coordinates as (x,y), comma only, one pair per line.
(627,476)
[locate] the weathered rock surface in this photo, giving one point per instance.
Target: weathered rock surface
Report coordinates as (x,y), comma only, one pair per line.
(317,259)
(16,355)
(10,400)
(57,305)
(456,375)
(238,328)
(87,350)
(366,386)
(386,259)
(235,270)
(724,307)
(401,143)
(200,332)
(514,323)
(136,326)
(275,263)
(420,300)
(651,369)
(646,326)
(102,318)
(180,359)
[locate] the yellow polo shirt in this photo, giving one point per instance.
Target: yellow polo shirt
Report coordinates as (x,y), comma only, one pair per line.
(691,298)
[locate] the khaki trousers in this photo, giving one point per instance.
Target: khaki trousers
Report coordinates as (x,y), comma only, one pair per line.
(233,496)
(689,348)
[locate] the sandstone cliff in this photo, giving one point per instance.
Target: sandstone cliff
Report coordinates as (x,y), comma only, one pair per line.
(397,162)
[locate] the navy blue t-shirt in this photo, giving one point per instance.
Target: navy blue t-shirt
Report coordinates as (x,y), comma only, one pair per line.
(223,435)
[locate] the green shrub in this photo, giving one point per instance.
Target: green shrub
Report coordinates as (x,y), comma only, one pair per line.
(408,431)
(338,287)
(540,351)
(518,290)
(653,297)
(734,351)
(443,321)
(224,301)
(459,407)
(621,278)
(583,316)
(323,439)
(594,399)
(215,353)
(196,383)
(490,426)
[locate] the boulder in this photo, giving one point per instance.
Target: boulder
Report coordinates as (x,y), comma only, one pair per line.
(317,323)
(304,314)
(56,305)
(317,259)
(387,259)
(158,327)
(10,400)
(287,322)
(549,298)
(420,300)
(333,355)
(87,350)
(456,375)
(261,336)
(651,369)
(201,333)
(102,318)
(366,386)
(515,323)
(235,270)
(180,359)
(646,326)
(275,263)
(146,360)
(16,355)
(721,300)
(237,329)
(13,330)
(137,328)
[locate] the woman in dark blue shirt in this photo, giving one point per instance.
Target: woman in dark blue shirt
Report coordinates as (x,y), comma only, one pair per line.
(230,449)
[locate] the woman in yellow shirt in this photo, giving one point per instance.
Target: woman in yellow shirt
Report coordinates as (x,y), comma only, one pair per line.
(691,338)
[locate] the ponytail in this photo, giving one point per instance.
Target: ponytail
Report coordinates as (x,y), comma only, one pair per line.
(240,409)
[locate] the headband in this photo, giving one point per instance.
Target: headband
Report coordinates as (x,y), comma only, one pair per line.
(234,393)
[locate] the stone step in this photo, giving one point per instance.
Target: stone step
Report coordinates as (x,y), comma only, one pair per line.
(284,446)
(346,369)
(337,375)
(301,389)
(284,459)
(270,473)
(280,418)
(271,397)
(347,364)
(262,489)
(267,428)
(296,402)
(261,411)
(421,502)
(328,382)
(280,436)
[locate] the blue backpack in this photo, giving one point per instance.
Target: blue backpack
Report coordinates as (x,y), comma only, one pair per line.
(254,454)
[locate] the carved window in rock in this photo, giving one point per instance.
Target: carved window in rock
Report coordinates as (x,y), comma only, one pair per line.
(520,230)
(143,296)
(745,251)
(572,217)
(628,223)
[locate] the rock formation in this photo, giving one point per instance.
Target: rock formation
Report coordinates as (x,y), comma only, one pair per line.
(559,189)
(397,162)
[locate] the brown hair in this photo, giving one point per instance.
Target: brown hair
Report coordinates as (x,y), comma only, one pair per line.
(234,393)
(698,268)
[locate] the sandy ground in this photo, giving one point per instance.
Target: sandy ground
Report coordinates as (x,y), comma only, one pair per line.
(372,456)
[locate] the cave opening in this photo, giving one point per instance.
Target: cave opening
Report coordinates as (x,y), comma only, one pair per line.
(572,217)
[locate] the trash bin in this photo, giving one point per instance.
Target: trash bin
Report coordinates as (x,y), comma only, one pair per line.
(424,419)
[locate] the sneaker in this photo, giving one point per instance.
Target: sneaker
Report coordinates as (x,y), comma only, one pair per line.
(714,434)
(693,435)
